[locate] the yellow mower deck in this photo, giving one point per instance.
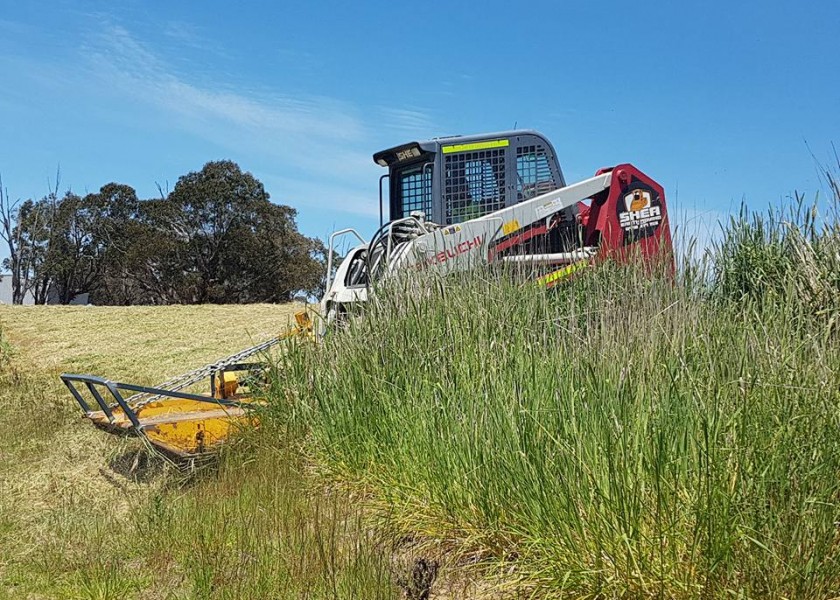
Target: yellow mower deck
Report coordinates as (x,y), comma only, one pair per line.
(178,426)
(179,423)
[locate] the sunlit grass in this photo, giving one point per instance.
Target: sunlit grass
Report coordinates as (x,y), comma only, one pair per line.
(71,527)
(622,435)
(143,344)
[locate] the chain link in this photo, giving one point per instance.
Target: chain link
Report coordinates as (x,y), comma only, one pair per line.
(141,399)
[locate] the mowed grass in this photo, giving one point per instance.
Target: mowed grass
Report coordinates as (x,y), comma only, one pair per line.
(143,344)
(40,421)
(73,527)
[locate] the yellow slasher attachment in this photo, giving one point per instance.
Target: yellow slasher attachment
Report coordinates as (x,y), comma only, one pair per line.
(178,422)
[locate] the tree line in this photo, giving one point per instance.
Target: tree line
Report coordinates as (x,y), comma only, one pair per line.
(215,238)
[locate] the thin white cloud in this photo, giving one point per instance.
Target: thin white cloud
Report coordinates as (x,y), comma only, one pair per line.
(412,120)
(189,35)
(318,138)
(315,149)
(129,63)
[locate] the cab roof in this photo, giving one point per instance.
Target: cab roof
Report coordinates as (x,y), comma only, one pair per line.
(386,157)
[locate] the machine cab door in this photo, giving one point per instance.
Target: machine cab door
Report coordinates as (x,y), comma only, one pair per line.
(412,189)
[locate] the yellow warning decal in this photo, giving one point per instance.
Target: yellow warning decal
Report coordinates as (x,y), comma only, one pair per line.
(476,146)
(510,227)
(555,276)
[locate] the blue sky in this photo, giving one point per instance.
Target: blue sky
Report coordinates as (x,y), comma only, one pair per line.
(716,100)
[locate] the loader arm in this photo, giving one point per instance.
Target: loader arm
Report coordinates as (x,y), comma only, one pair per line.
(479,241)
(619,213)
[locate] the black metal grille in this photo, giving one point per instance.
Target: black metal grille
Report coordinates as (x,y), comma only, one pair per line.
(415,190)
(534,176)
(475,184)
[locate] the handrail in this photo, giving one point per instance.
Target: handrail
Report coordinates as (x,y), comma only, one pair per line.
(381,213)
(333,236)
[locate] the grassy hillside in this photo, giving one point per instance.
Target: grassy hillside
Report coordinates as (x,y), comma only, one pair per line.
(619,436)
(74,527)
(144,344)
(628,434)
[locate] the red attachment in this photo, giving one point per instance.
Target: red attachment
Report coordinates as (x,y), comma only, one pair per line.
(630,219)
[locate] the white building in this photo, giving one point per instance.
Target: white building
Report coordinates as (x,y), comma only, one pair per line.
(6,290)
(6,293)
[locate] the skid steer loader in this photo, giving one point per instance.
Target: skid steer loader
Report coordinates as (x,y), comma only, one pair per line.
(454,204)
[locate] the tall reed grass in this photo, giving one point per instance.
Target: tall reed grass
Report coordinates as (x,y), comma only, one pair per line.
(625,434)
(789,257)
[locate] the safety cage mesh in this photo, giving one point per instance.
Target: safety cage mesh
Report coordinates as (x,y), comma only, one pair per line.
(415,190)
(475,184)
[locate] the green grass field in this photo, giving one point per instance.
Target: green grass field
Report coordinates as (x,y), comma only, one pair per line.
(618,437)
(626,435)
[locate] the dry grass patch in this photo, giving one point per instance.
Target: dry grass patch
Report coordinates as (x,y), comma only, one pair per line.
(60,504)
(144,344)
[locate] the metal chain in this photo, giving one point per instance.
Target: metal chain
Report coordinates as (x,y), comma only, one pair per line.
(141,399)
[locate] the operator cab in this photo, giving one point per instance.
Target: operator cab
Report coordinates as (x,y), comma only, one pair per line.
(455,179)
(446,181)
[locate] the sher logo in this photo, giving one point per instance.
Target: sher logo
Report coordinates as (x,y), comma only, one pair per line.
(642,212)
(635,219)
